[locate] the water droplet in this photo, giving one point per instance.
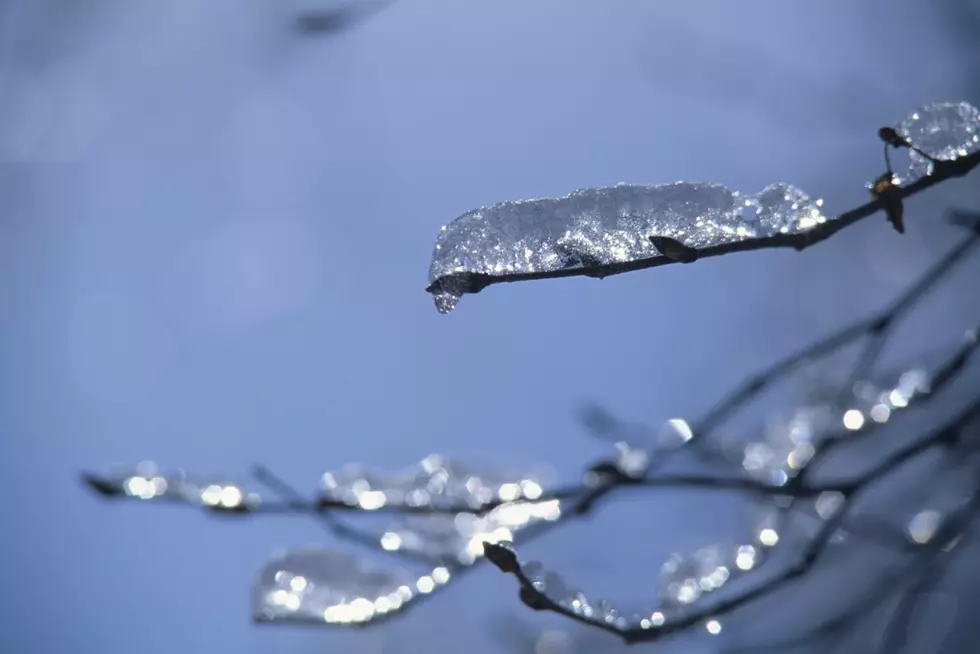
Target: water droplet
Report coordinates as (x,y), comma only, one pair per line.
(446,302)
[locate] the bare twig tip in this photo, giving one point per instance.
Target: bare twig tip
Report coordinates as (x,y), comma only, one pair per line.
(501,556)
(891,137)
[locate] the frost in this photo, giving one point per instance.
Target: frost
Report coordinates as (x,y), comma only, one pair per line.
(330,586)
(591,228)
(944,131)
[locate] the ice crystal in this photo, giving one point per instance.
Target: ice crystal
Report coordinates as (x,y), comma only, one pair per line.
(944,131)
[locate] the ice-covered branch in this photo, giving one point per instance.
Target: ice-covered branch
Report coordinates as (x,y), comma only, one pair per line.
(547,591)
(438,520)
(441,514)
(607,231)
(876,326)
(439,487)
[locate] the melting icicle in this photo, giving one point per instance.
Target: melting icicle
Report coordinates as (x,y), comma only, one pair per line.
(944,131)
(600,226)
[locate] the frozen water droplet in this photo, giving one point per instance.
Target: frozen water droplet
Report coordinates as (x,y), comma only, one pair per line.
(447,291)
(446,302)
(944,131)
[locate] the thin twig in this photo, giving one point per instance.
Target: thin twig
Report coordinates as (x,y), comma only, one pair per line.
(877,323)
(506,559)
(919,568)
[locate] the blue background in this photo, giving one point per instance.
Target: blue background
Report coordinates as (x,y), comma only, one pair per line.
(215,235)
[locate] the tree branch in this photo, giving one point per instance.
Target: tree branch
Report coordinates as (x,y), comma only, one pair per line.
(606,477)
(505,558)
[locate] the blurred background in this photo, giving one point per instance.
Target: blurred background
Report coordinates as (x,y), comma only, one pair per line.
(215,227)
